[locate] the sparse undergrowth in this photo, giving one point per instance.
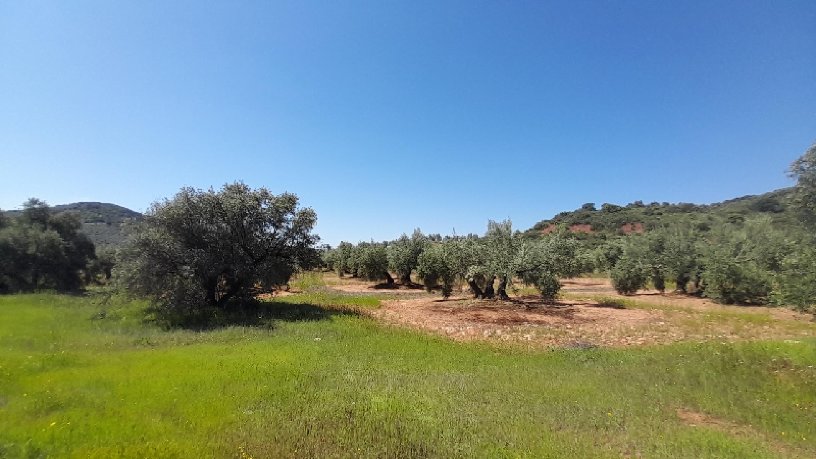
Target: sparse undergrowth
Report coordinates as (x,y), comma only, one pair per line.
(78,379)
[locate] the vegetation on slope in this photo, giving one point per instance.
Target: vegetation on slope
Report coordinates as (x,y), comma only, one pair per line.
(611,219)
(103,223)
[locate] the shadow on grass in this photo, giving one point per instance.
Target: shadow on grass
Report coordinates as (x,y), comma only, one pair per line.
(608,305)
(261,314)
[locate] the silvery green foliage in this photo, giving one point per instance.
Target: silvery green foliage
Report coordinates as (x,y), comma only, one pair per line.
(403,254)
(43,250)
(796,280)
(804,195)
(437,266)
(371,261)
(680,256)
(633,269)
(629,275)
(735,268)
(341,258)
(501,254)
(204,250)
(542,262)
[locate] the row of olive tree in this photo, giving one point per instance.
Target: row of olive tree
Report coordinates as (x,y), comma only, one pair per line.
(376,261)
(501,255)
(750,262)
(731,263)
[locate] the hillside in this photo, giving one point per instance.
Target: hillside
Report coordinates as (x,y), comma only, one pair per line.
(636,217)
(102,222)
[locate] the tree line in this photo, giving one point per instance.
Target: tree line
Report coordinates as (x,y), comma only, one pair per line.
(489,265)
(204,252)
(757,260)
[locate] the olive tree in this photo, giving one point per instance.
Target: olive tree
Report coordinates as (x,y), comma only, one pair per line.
(403,254)
(796,279)
(732,273)
(501,255)
(680,256)
(371,262)
(804,193)
(202,252)
(632,270)
(41,249)
(340,258)
(436,265)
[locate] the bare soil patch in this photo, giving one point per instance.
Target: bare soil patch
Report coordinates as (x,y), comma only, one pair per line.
(526,319)
(355,285)
(648,319)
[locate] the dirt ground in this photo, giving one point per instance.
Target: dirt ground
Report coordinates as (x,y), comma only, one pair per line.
(577,320)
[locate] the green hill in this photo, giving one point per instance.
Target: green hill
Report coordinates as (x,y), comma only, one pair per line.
(102,222)
(612,219)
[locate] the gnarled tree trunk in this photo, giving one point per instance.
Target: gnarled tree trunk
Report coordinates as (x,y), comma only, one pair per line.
(682,282)
(405,279)
(488,291)
(477,292)
(502,291)
(388,279)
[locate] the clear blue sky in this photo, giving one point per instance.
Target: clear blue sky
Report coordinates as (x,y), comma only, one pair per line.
(384,116)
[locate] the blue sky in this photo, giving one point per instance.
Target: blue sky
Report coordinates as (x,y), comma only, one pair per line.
(385,116)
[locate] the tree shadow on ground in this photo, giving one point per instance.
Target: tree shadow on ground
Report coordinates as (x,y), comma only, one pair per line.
(396,286)
(260,314)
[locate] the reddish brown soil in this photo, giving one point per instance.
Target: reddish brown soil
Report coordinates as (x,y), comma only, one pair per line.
(578,320)
(526,319)
(581,228)
(629,228)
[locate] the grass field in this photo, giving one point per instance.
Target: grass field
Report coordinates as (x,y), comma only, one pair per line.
(312,378)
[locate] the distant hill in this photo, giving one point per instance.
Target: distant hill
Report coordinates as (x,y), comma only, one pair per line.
(102,222)
(637,217)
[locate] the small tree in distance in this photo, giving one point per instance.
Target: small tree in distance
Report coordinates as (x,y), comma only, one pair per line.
(204,252)
(403,255)
(371,261)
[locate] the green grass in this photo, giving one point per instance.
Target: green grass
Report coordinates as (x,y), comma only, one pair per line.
(307,280)
(83,379)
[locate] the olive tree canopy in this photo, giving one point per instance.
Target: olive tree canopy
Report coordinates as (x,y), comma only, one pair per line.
(804,196)
(41,249)
(204,250)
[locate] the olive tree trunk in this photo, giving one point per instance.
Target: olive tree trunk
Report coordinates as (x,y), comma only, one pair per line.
(488,291)
(477,292)
(502,291)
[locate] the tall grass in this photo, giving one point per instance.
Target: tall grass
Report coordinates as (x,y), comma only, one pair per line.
(79,378)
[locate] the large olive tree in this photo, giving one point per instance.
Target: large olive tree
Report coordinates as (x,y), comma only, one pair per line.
(203,251)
